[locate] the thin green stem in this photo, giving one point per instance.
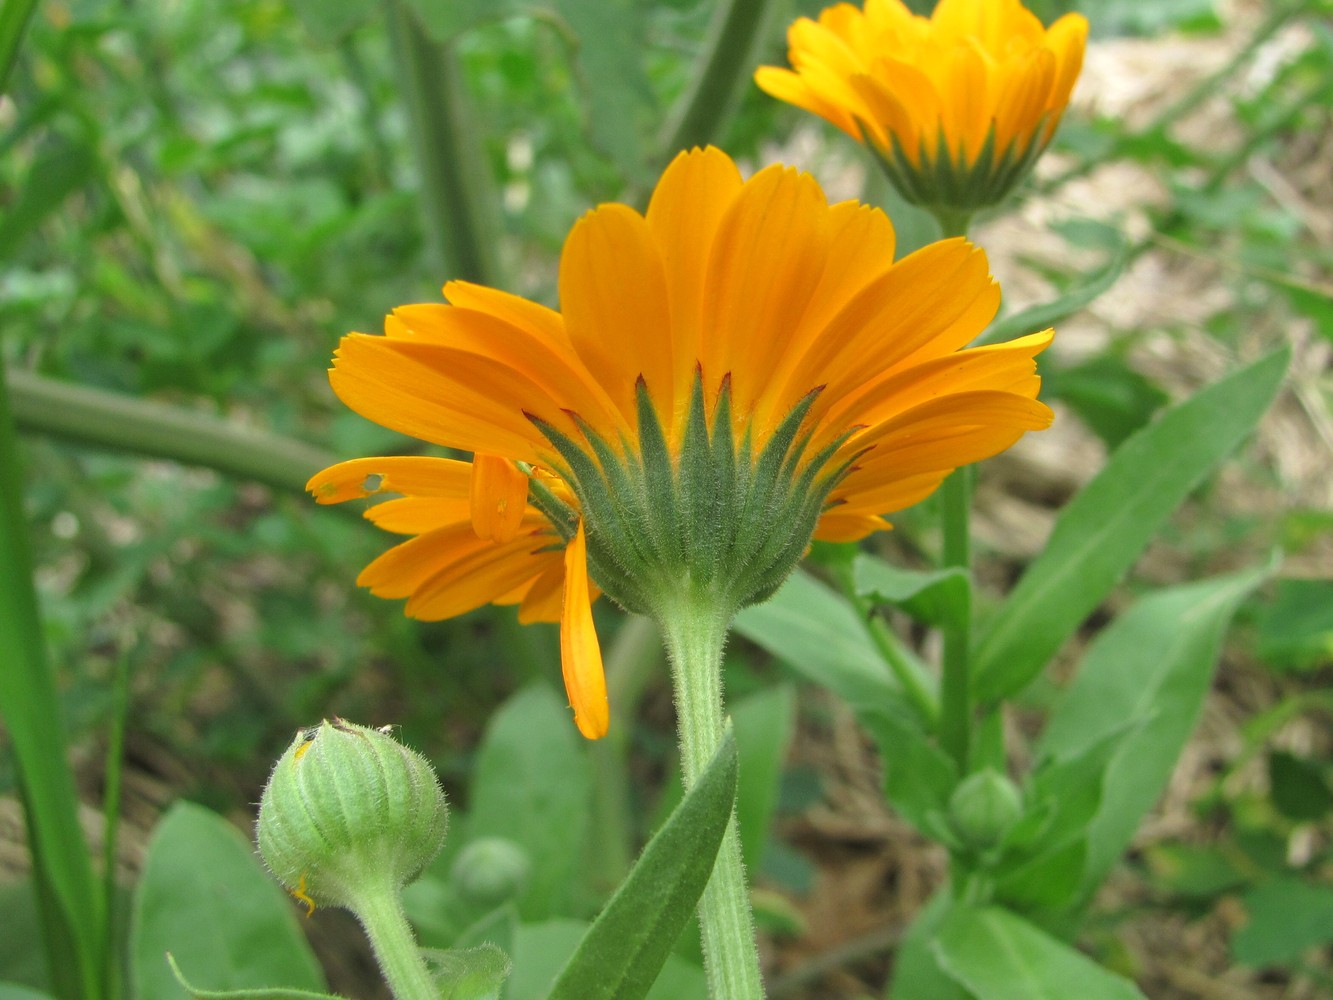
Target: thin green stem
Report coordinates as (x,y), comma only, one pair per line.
(908,675)
(955,679)
(955,511)
(72,911)
(456,189)
(695,632)
(737,29)
(395,947)
(109,420)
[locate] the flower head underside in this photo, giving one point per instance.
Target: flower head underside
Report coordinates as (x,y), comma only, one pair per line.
(740,368)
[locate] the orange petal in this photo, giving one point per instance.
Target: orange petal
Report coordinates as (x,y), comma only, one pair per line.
(409,475)
(613,295)
(580,653)
(499,497)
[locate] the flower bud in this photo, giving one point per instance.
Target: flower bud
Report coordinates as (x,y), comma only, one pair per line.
(983,807)
(349,812)
(490,871)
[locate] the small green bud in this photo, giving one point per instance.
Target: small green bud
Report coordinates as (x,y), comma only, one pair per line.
(490,871)
(983,807)
(349,813)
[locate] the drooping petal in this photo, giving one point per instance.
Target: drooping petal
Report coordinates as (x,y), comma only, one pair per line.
(580,652)
(498,498)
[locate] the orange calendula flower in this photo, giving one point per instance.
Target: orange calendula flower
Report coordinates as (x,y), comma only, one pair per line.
(956,106)
(740,369)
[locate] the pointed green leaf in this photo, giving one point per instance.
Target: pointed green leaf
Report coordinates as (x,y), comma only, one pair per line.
(1103,530)
(1039,317)
(205,898)
(997,955)
(1152,666)
(532,785)
(936,597)
(624,950)
(262,993)
(808,626)
(916,968)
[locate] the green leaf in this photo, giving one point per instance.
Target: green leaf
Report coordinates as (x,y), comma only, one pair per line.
(1104,529)
(816,632)
(204,897)
(919,777)
(1286,916)
(469,974)
(1296,626)
(937,597)
(262,993)
(916,969)
(997,955)
(14,15)
(1112,399)
(763,723)
(1039,317)
(1298,787)
(55,176)
(540,950)
(625,948)
(1151,668)
(533,786)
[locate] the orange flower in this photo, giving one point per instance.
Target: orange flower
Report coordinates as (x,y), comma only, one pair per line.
(741,368)
(956,106)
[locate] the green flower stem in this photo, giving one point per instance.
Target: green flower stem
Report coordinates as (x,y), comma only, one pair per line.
(955,510)
(955,699)
(456,189)
(738,28)
(695,632)
(72,917)
(908,675)
(395,947)
(109,420)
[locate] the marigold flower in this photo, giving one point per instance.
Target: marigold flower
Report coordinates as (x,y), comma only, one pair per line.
(956,106)
(739,369)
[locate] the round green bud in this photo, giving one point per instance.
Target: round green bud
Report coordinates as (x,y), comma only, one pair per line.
(983,807)
(349,812)
(490,871)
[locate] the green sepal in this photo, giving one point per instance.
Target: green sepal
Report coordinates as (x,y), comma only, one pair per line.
(624,950)
(659,477)
(469,973)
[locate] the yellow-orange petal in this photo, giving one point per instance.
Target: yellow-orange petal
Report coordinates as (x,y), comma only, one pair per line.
(767,260)
(687,205)
(418,515)
(613,296)
(499,497)
(409,475)
(481,576)
(580,652)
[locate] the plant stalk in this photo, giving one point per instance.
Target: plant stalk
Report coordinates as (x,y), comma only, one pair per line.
(456,189)
(395,947)
(109,420)
(955,679)
(695,631)
(737,29)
